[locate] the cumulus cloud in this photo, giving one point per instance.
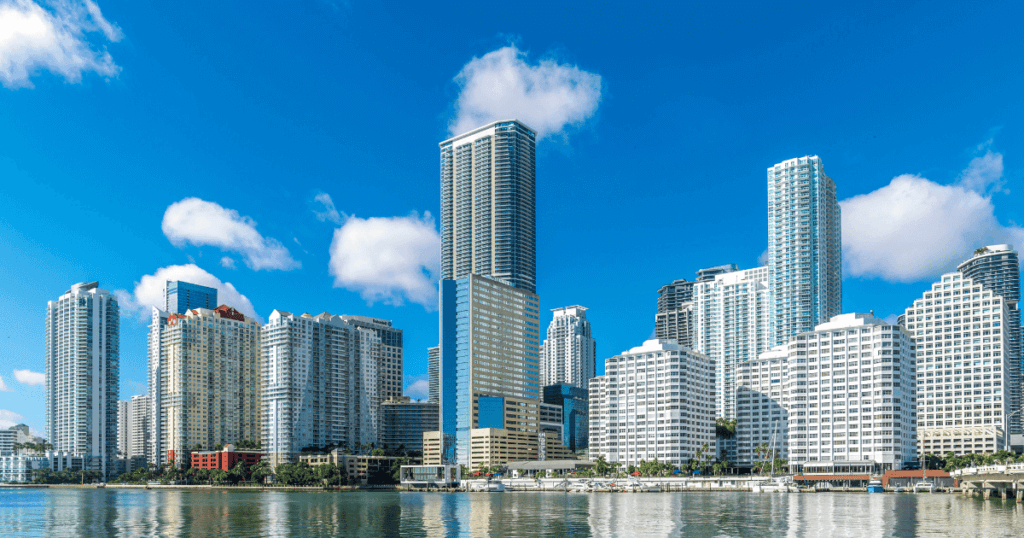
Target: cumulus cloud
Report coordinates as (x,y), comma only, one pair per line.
(9,418)
(28,377)
(327,212)
(3,386)
(546,96)
(227,262)
(198,222)
(418,390)
(388,259)
(914,228)
(65,38)
(149,291)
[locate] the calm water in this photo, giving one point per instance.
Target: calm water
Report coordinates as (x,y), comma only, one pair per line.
(86,513)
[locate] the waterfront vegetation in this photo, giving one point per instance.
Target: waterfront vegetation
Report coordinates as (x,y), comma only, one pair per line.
(32,447)
(950,462)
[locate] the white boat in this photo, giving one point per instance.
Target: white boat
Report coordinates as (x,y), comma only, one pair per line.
(780,484)
(581,487)
(924,486)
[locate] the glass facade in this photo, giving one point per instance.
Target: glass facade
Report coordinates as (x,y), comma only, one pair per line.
(804,247)
(180,297)
(575,405)
(490,412)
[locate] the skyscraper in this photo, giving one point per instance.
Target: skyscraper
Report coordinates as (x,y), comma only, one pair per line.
(133,430)
(181,296)
(570,352)
(82,375)
(320,384)
(489,310)
(488,205)
(390,360)
(963,392)
(434,374)
(674,319)
(491,331)
(206,365)
(804,247)
(731,325)
(997,267)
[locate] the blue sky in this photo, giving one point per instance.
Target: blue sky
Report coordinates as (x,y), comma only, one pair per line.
(147,139)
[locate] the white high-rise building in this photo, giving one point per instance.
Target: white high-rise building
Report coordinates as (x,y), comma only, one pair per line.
(964,364)
(731,325)
(569,352)
(434,374)
(205,364)
(655,401)
(488,204)
(133,428)
(842,393)
(320,384)
(123,427)
(804,247)
(82,375)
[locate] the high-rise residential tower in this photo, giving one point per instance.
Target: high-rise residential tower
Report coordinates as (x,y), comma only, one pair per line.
(82,375)
(997,267)
(390,361)
(655,401)
(488,205)
(133,430)
(804,247)
(964,399)
(206,366)
(674,319)
(489,310)
(434,374)
(320,384)
(180,297)
(570,352)
(731,325)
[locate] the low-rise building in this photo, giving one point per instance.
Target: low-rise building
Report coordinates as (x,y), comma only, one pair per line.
(20,468)
(358,467)
(225,459)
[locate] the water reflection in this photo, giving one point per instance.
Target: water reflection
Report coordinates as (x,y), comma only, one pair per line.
(91,512)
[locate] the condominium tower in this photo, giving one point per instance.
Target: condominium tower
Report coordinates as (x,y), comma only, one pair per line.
(320,384)
(206,366)
(434,374)
(133,427)
(82,355)
(804,247)
(655,401)
(674,319)
(731,325)
(488,205)
(844,392)
(570,352)
(964,398)
(390,361)
(997,268)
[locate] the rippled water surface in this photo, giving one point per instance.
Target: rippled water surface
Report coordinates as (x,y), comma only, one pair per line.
(97,512)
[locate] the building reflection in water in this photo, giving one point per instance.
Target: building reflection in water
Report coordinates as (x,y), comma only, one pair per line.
(647,514)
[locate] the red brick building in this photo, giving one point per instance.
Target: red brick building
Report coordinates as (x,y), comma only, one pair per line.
(225,459)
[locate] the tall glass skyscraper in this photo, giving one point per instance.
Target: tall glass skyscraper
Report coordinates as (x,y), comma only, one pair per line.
(83,335)
(180,297)
(489,312)
(488,205)
(804,247)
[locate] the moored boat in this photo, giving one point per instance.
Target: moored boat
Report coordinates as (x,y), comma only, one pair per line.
(875,486)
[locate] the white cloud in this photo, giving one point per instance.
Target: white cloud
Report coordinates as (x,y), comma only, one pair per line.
(9,418)
(28,377)
(546,96)
(227,262)
(58,39)
(388,259)
(329,212)
(913,228)
(149,291)
(201,223)
(3,386)
(418,390)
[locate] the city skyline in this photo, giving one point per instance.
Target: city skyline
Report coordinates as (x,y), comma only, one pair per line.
(286,243)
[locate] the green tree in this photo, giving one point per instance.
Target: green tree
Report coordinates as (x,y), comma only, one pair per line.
(377,452)
(601,466)
(260,471)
